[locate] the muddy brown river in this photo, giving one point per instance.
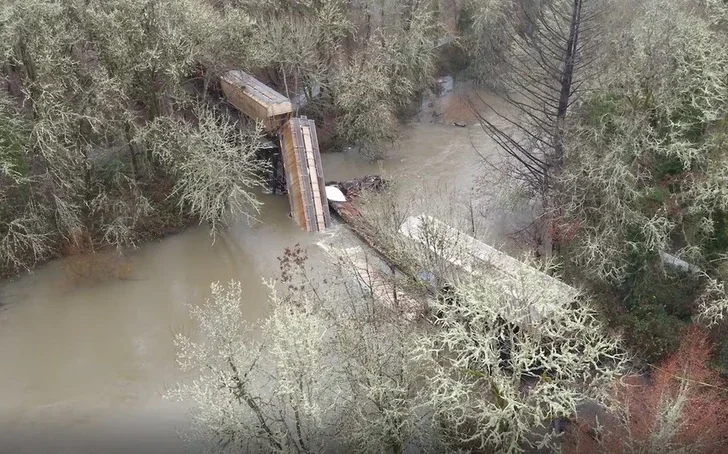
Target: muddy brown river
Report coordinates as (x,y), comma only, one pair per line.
(85,361)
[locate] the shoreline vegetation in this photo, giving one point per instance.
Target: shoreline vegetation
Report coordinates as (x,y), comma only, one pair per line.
(611,122)
(110,119)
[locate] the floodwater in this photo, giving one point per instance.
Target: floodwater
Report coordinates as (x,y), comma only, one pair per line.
(86,345)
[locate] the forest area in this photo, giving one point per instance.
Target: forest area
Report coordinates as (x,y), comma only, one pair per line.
(612,121)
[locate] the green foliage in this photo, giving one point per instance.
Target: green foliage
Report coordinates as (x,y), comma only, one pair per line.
(722,356)
(14,132)
(659,303)
(652,332)
(718,242)
(646,173)
(656,302)
(601,110)
(95,76)
(666,166)
(379,80)
(484,27)
(646,168)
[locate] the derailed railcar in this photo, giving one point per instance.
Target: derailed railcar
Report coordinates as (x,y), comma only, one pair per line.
(304,175)
(256,100)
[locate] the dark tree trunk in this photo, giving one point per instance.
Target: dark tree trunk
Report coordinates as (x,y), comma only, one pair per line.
(544,79)
(132,151)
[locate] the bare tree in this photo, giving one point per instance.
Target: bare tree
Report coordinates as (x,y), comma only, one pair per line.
(214,162)
(343,368)
(86,76)
(546,71)
(510,356)
(25,232)
(91,80)
(383,77)
(99,81)
(331,372)
(488,32)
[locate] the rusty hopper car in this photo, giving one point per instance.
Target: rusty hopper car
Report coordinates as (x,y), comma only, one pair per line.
(256,100)
(304,175)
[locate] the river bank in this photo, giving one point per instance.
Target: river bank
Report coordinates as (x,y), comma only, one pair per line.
(86,358)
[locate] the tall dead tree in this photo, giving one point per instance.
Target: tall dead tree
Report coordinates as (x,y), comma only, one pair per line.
(547,67)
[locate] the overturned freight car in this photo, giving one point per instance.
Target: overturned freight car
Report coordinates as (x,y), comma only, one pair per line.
(256,100)
(304,175)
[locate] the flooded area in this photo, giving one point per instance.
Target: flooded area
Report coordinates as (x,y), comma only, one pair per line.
(84,361)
